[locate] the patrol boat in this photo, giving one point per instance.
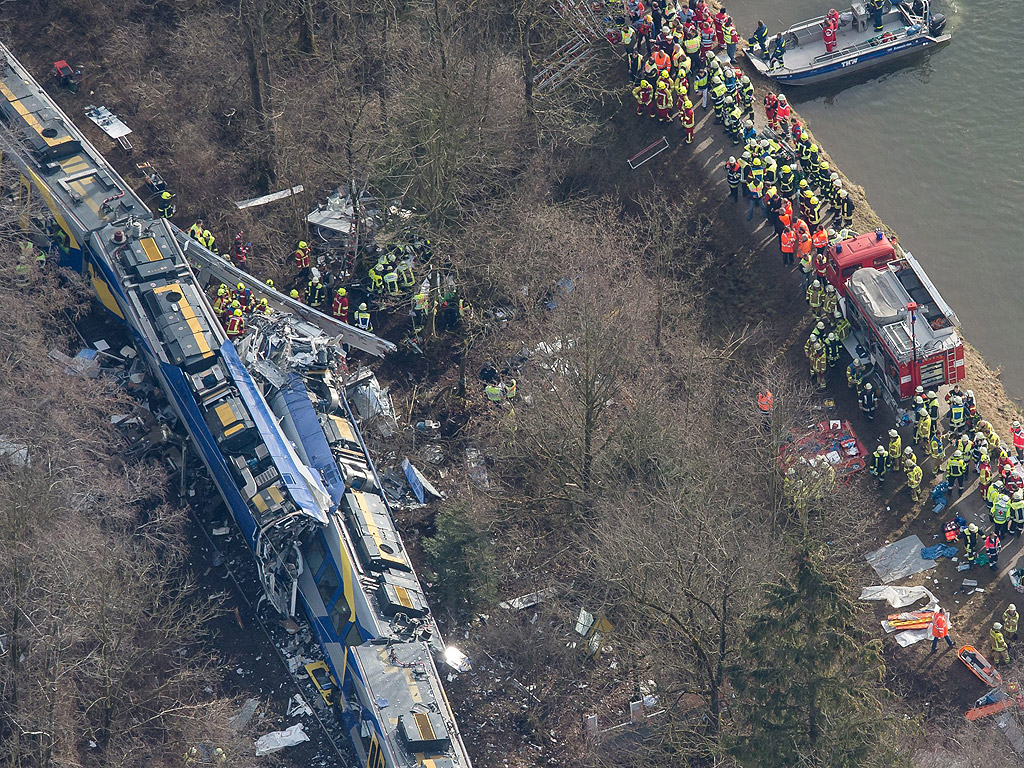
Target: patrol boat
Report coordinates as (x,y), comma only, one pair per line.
(859,46)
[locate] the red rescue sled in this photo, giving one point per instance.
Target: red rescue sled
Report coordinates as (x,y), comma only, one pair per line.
(979,665)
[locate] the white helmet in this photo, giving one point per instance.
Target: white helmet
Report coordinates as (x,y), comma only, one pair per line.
(893,433)
(816,284)
(1011,607)
(732,159)
(868,385)
(997,626)
(970,393)
(782,98)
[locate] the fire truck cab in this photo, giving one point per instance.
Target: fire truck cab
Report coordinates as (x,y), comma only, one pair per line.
(899,322)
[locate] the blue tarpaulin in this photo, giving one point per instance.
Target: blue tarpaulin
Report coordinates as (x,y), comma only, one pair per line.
(937,551)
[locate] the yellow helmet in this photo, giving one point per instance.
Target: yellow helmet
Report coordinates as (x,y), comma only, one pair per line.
(222,291)
(342,292)
(303,244)
(263,302)
(240,286)
(687,104)
(294,293)
(235,304)
(270,283)
(238,313)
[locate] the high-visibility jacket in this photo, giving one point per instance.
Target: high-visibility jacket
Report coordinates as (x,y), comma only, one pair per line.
(788,240)
(846,209)
(828,35)
(195,231)
(819,362)
(755,187)
(998,641)
(868,401)
(1010,619)
(820,238)
(663,99)
(691,45)
(235,326)
(814,296)
(970,540)
(221,303)
(661,60)
(854,376)
(339,307)
(732,174)
(730,35)
(933,408)
(914,476)
(1017,433)
(1017,511)
(924,428)
(940,626)
(643,95)
(494,393)
(879,465)
(831,302)
(895,446)
(718,95)
(363,320)
(1001,510)
(956,467)
(627,35)
(820,262)
(958,415)
(301,258)
(833,349)
(314,294)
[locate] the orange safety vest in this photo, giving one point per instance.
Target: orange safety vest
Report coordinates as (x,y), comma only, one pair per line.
(786,216)
(782,112)
(788,241)
(235,327)
(802,228)
(805,245)
(764,401)
(819,239)
(662,60)
(940,627)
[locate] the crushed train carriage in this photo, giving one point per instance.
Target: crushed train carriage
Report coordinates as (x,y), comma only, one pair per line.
(304,493)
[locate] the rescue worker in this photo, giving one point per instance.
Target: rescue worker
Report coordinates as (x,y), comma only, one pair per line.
(958,419)
(787,181)
(815,296)
(1011,620)
(718,92)
(688,121)
(196,230)
(294,294)
(868,402)
(644,95)
(914,476)
(208,241)
(315,293)
(998,644)
(765,401)
(956,468)
(922,435)
(778,57)
(636,65)
(842,325)
(908,457)
(301,256)
(833,348)
(846,207)
(362,317)
(879,464)
(733,175)
(760,38)
(1016,526)
(876,7)
(339,307)
(819,364)
(971,542)
(782,114)
(165,208)
(732,38)
(495,393)
(747,95)
(787,242)
(1017,434)
(932,403)
(220,304)
(1001,514)
(755,189)
(236,325)
(940,629)
(662,101)
(771,105)
(831,301)
(263,307)
(855,375)
(419,311)
(895,447)
(701,85)
(828,36)
(992,545)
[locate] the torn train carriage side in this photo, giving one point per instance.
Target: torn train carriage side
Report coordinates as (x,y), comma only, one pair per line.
(394,705)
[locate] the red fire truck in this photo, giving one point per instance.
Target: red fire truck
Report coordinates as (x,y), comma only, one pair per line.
(901,325)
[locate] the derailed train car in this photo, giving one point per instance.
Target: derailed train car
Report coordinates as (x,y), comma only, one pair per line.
(322,535)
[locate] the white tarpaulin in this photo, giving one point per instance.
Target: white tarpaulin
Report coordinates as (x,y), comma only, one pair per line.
(911,636)
(272,742)
(898,560)
(898,597)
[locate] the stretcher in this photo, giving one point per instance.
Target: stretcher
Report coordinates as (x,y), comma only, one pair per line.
(910,620)
(979,665)
(996,701)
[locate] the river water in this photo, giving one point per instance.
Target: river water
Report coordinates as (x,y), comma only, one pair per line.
(937,145)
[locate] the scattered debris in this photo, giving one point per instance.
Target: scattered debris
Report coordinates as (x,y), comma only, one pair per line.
(418,483)
(532,599)
(240,722)
(477,467)
(898,597)
(272,197)
(373,404)
(16,453)
(278,740)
